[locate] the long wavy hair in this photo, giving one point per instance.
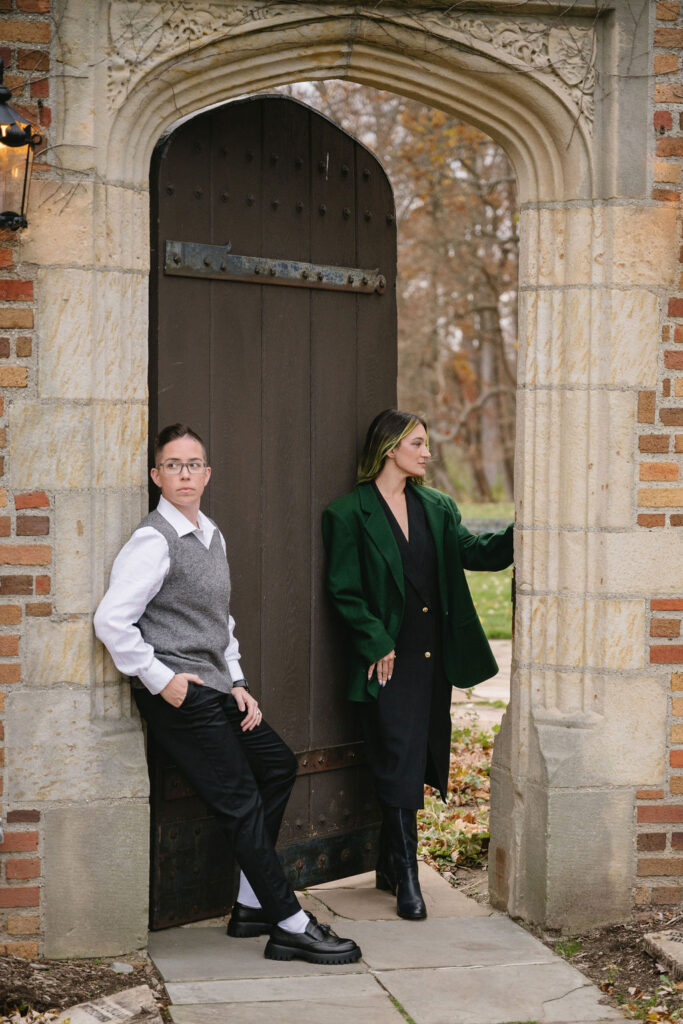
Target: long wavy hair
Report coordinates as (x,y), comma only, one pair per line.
(386,431)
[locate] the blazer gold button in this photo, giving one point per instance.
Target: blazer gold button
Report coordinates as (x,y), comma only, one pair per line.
(425,609)
(428,654)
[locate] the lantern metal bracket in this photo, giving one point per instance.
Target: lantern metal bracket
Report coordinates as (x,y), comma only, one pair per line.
(217,263)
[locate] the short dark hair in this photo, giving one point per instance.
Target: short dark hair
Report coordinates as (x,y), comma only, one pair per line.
(173,433)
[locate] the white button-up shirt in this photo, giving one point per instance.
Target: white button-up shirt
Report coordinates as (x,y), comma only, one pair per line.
(137,575)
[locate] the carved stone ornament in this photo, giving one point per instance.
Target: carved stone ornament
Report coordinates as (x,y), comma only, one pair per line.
(144,34)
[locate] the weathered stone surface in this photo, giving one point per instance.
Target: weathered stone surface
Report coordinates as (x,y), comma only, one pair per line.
(61,225)
(73,549)
(122,217)
(86,318)
(372,1009)
(574,457)
(96,873)
(56,752)
(568,631)
(328,988)
(58,652)
(589,337)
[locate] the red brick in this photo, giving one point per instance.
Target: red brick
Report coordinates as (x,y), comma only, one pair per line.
(14,817)
(16,585)
(34,6)
(660,812)
(669,654)
(45,117)
(676,519)
(667,604)
(652,519)
(29,867)
(666,388)
(673,359)
(655,443)
(32,499)
(665,195)
(25,554)
(676,758)
(24,347)
(5,526)
(671,417)
(668,10)
(646,406)
(33,60)
(20,896)
(39,32)
(666,894)
(663,120)
(678,443)
(10,672)
(39,608)
(655,470)
(40,89)
(13,291)
(669,37)
(42,584)
(6,258)
(675,307)
(677,840)
(9,646)
(37,526)
(4,348)
(660,866)
(19,842)
(665,627)
(646,841)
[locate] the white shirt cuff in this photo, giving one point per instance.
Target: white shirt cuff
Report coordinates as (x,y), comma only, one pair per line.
(235,670)
(157,676)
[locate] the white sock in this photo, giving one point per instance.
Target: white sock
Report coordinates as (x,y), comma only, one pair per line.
(246,895)
(296,923)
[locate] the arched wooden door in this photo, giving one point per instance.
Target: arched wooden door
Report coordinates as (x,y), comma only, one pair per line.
(279,359)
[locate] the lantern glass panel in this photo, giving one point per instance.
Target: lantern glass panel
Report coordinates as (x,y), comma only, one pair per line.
(14,163)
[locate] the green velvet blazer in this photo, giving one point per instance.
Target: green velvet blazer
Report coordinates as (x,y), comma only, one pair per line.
(365,580)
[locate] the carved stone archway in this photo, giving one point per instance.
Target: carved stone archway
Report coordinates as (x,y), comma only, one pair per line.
(553,92)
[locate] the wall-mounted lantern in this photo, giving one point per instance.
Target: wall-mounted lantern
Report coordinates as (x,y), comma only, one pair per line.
(18,139)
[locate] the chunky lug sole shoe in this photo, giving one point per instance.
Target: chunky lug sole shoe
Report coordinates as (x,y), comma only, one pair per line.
(317,945)
(246,922)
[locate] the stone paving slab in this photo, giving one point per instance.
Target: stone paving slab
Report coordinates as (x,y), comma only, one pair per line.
(205,954)
(319,988)
(376,1009)
(474,942)
(543,993)
(363,902)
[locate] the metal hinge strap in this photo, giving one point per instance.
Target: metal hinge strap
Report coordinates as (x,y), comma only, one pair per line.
(217,263)
(328,759)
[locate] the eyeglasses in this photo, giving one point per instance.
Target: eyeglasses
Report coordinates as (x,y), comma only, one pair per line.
(174,467)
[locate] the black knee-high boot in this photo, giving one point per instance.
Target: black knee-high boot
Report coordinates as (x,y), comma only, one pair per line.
(384,873)
(401,825)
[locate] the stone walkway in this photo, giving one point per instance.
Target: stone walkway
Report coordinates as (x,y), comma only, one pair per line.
(464,965)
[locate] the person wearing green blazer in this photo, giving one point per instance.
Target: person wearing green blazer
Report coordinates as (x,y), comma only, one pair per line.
(397,551)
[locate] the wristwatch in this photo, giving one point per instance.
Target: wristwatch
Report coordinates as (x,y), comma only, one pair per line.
(241,683)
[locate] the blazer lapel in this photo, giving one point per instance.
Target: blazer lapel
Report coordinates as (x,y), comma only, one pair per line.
(379,530)
(438,520)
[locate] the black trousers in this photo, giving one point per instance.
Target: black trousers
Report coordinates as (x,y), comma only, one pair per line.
(244,777)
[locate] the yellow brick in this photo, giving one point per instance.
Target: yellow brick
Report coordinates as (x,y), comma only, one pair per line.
(28,925)
(676,784)
(677,681)
(677,733)
(677,707)
(667,172)
(663,497)
(665,63)
(678,387)
(13,376)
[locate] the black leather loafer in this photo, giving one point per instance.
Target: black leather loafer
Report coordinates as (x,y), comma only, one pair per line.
(318,945)
(245,922)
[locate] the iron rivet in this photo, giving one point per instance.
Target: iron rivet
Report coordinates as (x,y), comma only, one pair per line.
(170,190)
(366,173)
(323,209)
(345,171)
(176,258)
(367,215)
(250,154)
(198,193)
(322,166)
(364,279)
(224,196)
(320,275)
(207,261)
(275,203)
(305,762)
(381,282)
(346,213)
(304,274)
(350,279)
(274,158)
(390,218)
(321,760)
(273,271)
(251,199)
(298,163)
(299,206)
(257,270)
(222,266)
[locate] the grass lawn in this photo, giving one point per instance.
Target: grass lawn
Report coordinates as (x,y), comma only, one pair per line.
(491,593)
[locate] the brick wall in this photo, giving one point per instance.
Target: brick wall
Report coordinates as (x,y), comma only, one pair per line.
(25,519)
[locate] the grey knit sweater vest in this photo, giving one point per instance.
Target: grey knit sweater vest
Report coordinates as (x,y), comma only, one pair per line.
(187,621)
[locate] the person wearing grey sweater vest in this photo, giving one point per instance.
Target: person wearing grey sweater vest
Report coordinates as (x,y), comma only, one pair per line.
(165,620)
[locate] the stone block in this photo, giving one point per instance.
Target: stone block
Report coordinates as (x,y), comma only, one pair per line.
(122,213)
(91,320)
(58,652)
(61,226)
(96,871)
(73,553)
(571,632)
(580,337)
(574,457)
(59,753)
(119,438)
